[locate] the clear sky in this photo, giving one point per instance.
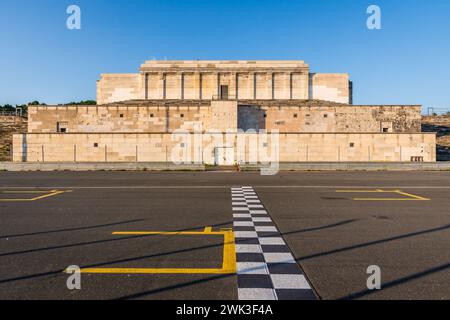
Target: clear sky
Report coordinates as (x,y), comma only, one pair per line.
(407,62)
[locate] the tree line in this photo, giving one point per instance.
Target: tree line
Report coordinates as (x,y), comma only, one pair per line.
(24,107)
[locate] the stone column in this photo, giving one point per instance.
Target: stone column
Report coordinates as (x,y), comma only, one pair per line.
(236,77)
(145,85)
(200,86)
(254,85)
(233,85)
(273,85)
(218,85)
(290,86)
(182,85)
(164,85)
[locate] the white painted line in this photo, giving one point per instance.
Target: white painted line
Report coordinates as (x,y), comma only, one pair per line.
(240,209)
(245,234)
(265,229)
(242,215)
(253,201)
(248,248)
(237,199)
(243,224)
(255,206)
(239,204)
(289,281)
(227,187)
(252,268)
(258,211)
(256,294)
(256,219)
(272,241)
(283,257)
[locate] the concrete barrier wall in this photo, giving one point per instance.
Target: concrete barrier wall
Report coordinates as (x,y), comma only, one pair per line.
(92,166)
(311,166)
(241,148)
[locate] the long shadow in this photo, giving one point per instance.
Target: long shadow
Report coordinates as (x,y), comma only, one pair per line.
(137,295)
(70,229)
(371,243)
(175,286)
(397,282)
(97,242)
(440,268)
(160,254)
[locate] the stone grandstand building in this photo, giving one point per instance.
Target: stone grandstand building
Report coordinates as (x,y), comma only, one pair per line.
(214,110)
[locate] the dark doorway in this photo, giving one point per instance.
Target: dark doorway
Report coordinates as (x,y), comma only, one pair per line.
(223,92)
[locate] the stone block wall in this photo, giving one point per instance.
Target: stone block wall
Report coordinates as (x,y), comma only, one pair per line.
(161,80)
(119,87)
(330,87)
(157,116)
(147,147)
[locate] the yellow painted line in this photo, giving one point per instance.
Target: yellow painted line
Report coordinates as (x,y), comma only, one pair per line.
(360,191)
(25,192)
(208,229)
(152,271)
(385,199)
(51,194)
(169,233)
(228,265)
(48,195)
(410,197)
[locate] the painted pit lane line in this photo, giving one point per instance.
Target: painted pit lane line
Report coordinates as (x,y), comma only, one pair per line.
(266,267)
(226,187)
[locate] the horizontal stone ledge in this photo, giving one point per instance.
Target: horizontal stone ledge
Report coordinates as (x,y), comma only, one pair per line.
(354,166)
(157,166)
(98,166)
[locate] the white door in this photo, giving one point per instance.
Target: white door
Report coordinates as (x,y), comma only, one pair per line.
(224,156)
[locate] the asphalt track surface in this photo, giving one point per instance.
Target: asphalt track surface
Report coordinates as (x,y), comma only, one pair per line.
(335,223)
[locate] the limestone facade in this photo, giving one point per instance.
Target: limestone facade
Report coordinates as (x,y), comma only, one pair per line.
(224,112)
(238,80)
(292,147)
(296,116)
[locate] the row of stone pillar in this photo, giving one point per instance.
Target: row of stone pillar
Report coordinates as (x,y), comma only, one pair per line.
(235,77)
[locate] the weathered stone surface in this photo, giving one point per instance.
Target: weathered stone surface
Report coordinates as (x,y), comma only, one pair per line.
(147,147)
(208,103)
(205,80)
(167,116)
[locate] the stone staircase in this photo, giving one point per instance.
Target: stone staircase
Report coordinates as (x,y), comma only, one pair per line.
(10,125)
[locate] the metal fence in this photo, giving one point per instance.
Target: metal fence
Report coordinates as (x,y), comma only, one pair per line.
(429,111)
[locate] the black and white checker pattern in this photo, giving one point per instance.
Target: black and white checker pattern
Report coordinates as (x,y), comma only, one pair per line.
(266,267)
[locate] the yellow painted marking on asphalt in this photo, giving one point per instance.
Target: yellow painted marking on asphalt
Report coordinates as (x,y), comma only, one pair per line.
(21,191)
(208,229)
(412,196)
(359,191)
(48,194)
(228,264)
(409,197)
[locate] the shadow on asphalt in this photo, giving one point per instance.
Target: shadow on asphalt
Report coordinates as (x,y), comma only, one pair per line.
(189,283)
(397,282)
(70,229)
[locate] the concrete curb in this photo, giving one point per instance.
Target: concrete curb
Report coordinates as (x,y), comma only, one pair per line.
(300,166)
(357,166)
(98,166)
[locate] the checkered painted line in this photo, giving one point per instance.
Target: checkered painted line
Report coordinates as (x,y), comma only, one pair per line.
(266,267)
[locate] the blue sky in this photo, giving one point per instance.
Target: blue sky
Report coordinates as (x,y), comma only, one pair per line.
(407,62)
